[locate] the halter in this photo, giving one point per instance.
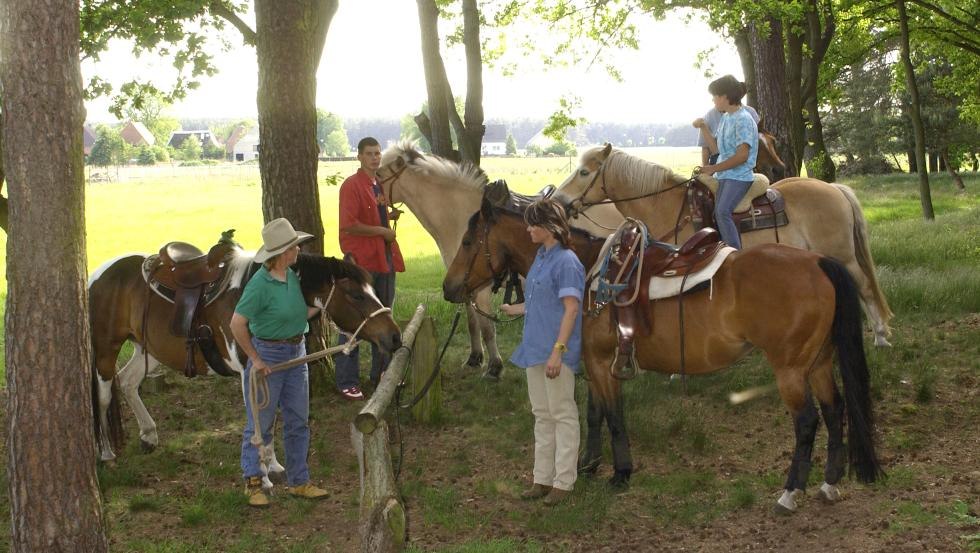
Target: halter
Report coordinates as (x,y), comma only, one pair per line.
(393,178)
(352,340)
(496,277)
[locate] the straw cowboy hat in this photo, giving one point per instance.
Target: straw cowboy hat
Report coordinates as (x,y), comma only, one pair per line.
(278,236)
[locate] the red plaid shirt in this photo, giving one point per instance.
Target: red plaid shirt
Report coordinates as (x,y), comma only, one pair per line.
(358,204)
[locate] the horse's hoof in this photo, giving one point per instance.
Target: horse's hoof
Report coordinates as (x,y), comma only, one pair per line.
(490,377)
(590,467)
(475,361)
(147,447)
(620,481)
(493,371)
(786,505)
(882,342)
(829,493)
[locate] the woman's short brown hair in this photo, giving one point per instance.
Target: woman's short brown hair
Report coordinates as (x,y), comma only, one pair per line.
(550,215)
(730,87)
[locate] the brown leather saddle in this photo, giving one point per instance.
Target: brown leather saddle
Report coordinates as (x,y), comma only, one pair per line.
(761,208)
(500,196)
(191,279)
(631,308)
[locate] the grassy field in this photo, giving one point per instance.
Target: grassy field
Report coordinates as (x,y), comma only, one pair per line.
(706,473)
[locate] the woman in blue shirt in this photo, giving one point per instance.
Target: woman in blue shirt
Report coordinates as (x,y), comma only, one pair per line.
(737,145)
(550,350)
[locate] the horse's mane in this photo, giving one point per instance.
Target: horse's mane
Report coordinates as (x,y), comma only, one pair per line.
(497,211)
(316,270)
(645,176)
(436,167)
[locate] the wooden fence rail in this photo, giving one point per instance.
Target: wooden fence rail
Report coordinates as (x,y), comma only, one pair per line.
(382,515)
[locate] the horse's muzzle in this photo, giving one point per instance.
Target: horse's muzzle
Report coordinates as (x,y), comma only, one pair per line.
(454,292)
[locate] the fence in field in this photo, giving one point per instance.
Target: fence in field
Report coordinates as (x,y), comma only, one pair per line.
(382,513)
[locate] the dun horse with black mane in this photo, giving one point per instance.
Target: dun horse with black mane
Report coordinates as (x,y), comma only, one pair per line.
(798,307)
(132,298)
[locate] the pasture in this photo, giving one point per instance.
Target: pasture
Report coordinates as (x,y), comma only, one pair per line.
(707,472)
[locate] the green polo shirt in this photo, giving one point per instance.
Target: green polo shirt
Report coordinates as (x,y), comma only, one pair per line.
(275,310)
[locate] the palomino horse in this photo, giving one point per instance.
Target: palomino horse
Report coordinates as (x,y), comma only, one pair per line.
(824,218)
(443,194)
(122,308)
(797,306)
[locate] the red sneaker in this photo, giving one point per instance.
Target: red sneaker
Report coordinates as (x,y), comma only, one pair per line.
(353,394)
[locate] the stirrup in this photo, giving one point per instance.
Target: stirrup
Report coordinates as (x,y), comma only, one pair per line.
(623,367)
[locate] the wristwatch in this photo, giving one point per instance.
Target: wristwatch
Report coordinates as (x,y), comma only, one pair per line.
(561,347)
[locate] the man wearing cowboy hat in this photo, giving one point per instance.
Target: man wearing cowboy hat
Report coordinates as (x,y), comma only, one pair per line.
(366,238)
(269,323)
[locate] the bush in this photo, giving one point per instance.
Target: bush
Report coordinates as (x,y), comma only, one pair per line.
(146,156)
(869,166)
(161,153)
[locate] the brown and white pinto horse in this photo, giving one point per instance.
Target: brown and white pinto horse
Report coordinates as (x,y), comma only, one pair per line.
(746,308)
(825,218)
(118,297)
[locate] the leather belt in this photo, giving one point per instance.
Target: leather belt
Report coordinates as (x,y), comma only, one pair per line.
(292,340)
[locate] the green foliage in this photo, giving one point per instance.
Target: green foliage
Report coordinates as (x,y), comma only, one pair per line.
(109,148)
(564,118)
(146,156)
(330,134)
(161,153)
(213,151)
(511,145)
(190,149)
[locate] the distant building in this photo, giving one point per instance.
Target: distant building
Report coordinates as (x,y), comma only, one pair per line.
(88,138)
(232,139)
(247,147)
(136,134)
(494,141)
(178,137)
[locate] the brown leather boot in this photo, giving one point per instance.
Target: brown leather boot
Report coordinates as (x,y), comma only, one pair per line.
(556,496)
(536,491)
(256,495)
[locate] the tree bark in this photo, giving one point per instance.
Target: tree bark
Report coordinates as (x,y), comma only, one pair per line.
(957,179)
(769,64)
(289,40)
(436,83)
(818,37)
(472,135)
(54,494)
(925,196)
(794,94)
(748,67)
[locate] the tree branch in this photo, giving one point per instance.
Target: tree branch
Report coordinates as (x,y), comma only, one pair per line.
(325,12)
(221,10)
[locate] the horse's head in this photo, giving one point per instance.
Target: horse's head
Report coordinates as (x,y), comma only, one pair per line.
(581,188)
(768,160)
(345,293)
(484,255)
(394,161)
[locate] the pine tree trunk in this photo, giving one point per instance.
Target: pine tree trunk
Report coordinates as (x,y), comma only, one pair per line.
(289,41)
(925,196)
(770,78)
(54,494)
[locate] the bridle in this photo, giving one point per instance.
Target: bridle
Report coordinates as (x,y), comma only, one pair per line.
(496,277)
(352,337)
(578,205)
(392,179)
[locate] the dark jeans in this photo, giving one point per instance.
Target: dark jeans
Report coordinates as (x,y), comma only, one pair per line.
(348,366)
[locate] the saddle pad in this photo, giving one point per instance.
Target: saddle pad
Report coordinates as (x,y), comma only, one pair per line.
(759,184)
(667,287)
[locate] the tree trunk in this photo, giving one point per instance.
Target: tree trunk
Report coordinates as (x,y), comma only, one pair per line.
(769,64)
(748,66)
(818,38)
(794,94)
(288,43)
(925,196)
(472,136)
(54,494)
(933,158)
(957,179)
(913,163)
(436,84)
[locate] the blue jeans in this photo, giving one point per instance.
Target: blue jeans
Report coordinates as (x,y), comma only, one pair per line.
(289,390)
(348,367)
(730,192)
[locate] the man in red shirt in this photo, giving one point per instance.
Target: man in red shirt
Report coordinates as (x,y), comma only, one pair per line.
(366,238)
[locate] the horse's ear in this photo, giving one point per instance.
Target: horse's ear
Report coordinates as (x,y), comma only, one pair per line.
(398,163)
(412,154)
(486,209)
(607,150)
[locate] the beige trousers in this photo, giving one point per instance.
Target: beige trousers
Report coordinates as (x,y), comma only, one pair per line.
(556,428)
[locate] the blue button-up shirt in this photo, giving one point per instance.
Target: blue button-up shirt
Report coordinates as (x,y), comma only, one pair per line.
(734,130)
(555,274)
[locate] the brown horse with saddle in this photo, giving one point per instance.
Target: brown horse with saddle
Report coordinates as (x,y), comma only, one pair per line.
(705,329)
(176,306)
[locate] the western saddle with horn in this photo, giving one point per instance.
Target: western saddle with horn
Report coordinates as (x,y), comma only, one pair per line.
(629,290)
(190,279)
(762,207)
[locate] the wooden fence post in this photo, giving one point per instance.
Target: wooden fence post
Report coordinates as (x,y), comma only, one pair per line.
(424,356)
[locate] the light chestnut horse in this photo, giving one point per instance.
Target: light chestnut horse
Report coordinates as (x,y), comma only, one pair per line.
(443,194)
(744,309)
(123,309)
(823,217)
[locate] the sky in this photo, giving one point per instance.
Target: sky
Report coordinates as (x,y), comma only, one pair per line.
(372,67)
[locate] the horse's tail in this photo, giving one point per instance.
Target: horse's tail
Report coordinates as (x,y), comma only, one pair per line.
(863,253)
(848,340)
(115,432)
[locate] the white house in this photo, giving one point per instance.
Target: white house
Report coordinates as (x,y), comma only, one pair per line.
(247,147)
(494,141)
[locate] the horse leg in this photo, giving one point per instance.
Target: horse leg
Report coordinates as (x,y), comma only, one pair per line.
(130,377)
(805,422)
(494,363)
(591,457)
(109,433)
(104,390)
(622,460)
(275,472)
(832,408)
(476,350)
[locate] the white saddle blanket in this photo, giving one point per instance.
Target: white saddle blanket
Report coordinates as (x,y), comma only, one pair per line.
(667,287)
